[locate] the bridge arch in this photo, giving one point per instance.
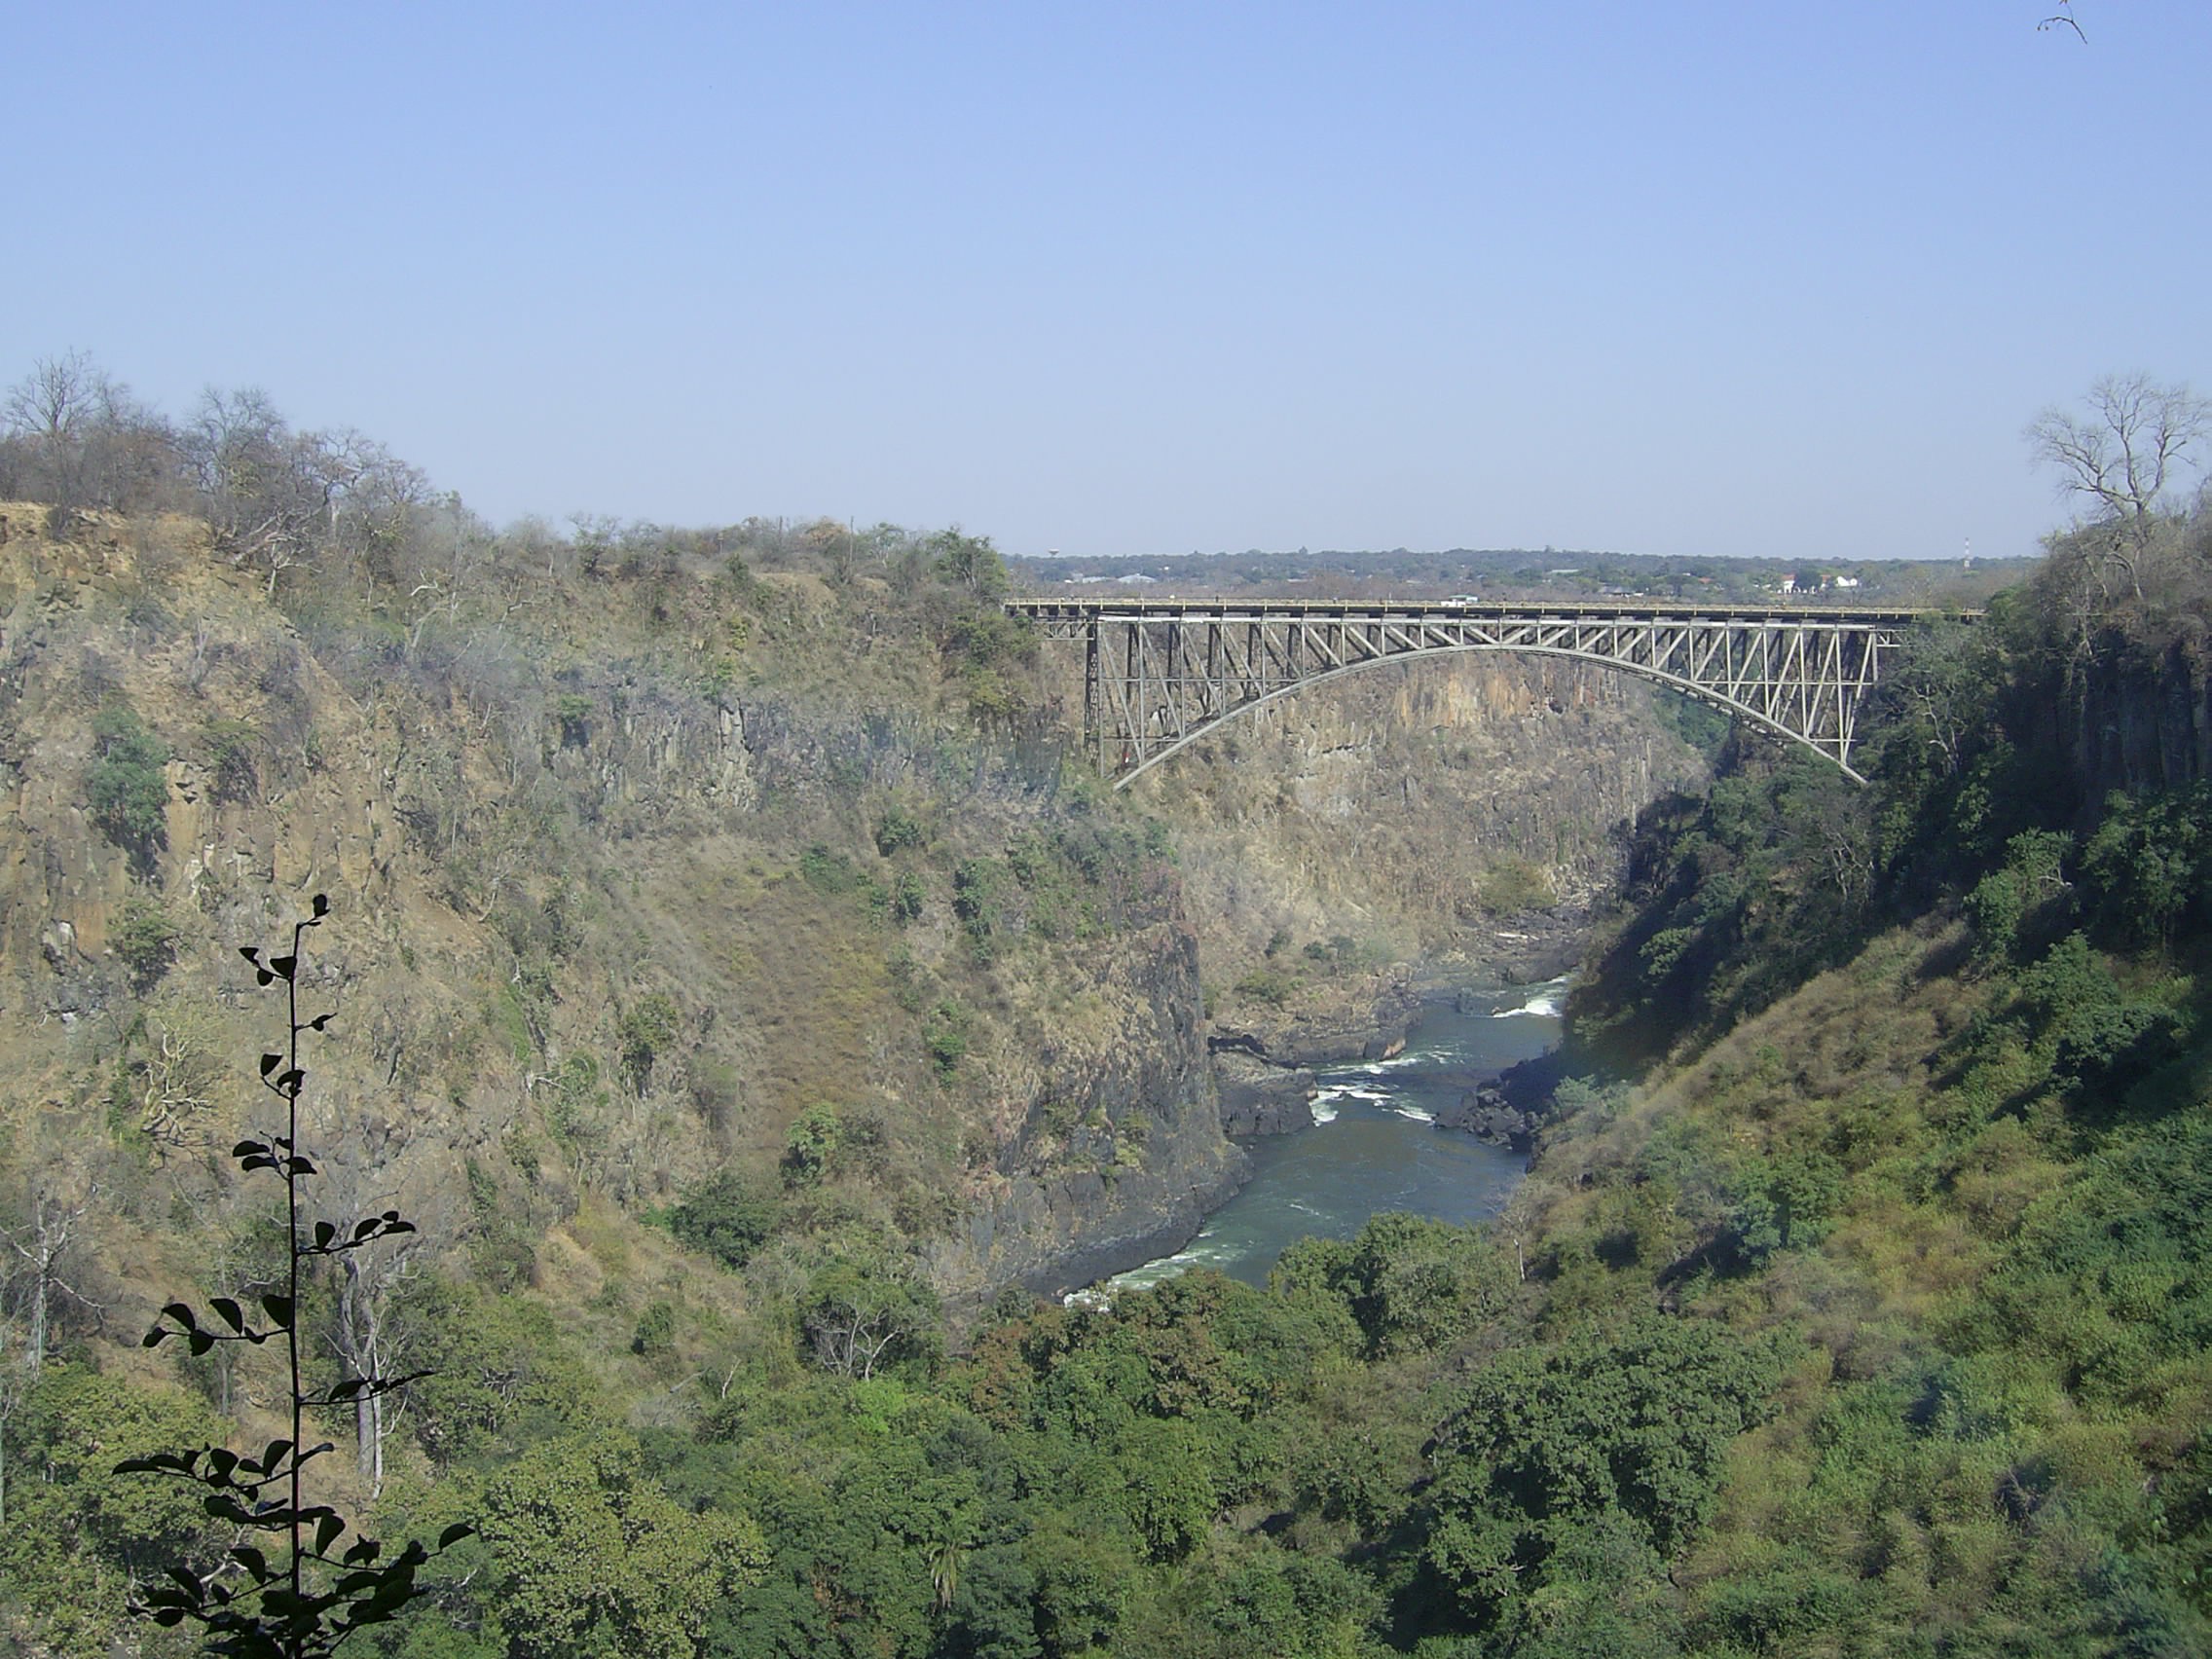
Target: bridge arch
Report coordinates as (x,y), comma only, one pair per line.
(1725,705)
(1160,674)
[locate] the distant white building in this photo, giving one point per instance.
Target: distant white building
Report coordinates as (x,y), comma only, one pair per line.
(1803,583)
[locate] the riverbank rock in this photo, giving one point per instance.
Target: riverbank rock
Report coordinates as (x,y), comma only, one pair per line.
(1364,1017)
(1261,1099)
(1489,1116)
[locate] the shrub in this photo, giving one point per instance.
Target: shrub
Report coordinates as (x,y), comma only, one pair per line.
(646,1027)
(907,896)
(1512,885)
(2151,861)
(945,1036)
(830,873)
(975,902)
(896,829)
(144,941)
(812,1145)
(233,773)
(572,712)
(126,788)
(728,1218)
(1267,985)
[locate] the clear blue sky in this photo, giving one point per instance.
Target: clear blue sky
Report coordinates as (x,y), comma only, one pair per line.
(1741,278)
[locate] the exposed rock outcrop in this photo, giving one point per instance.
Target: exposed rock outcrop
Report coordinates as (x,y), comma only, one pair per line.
(1258,1098)
(1364,1017)
(1485,1113)
(1121,1152)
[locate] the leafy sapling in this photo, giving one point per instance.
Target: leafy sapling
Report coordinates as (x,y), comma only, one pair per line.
(314,1593)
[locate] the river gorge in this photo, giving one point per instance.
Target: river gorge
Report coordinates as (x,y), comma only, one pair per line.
(1376,1145)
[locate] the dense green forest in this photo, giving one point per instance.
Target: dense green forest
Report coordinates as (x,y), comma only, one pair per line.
(1856,1302)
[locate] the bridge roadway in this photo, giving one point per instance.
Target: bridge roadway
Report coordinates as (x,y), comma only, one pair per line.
(1159,674)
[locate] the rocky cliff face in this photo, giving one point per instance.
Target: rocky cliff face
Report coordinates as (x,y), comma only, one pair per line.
(1260,1097)
(613,912)
(2141,718)
(1120,1151)
(597,931)
(1398,831)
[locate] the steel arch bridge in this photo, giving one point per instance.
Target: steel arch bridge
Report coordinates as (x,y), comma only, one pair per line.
(1160,674)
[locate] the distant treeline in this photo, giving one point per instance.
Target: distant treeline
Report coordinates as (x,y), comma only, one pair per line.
(1490,572)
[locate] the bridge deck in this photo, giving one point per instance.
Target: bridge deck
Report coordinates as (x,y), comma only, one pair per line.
(1161,673)
(1227,610)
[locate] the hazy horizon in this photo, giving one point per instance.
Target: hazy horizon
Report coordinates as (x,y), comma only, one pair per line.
(1750,281)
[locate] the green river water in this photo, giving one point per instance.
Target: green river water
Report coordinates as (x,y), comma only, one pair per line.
(1375,1146)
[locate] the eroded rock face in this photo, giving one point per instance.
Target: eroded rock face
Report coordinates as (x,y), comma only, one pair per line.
(520,855)
(1461,814)
(1358,1018)
(1489,1116)
(1121,1151)
(2141,720)
(1258,1098)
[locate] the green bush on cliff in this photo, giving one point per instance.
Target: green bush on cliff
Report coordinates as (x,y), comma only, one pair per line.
(127,789)
(1270,986)
(145,940)
(728,1218)
(646,1027)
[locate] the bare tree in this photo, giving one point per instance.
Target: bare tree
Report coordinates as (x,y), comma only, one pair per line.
(41,1246)
(80,439)
(54,401)
(26,1282)
(15,1380)
(361,1330)
(2124,455)
(32,1279)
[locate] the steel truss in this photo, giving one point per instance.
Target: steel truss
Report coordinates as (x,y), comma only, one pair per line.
(1160,674)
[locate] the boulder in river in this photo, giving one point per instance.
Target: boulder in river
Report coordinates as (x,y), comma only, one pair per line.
(1486,1113)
